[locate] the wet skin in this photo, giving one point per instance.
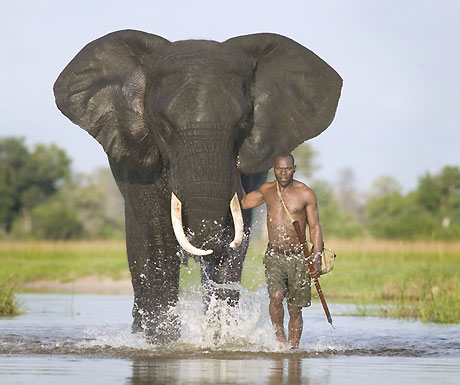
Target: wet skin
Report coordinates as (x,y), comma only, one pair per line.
(301,202)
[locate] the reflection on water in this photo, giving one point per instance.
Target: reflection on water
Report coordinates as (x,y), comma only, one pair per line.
(292,375)
(293,371)
(336,370)
(211,371)
(64,338)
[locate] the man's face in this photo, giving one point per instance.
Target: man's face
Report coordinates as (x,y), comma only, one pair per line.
(284,170)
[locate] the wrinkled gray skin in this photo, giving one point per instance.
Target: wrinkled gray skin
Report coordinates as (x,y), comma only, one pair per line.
(172,117)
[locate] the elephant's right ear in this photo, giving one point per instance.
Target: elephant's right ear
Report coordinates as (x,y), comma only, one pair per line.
(295,96)
(102,90)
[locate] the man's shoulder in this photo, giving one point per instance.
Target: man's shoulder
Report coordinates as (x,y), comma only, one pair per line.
(303,189)
(267,187)
(297,184)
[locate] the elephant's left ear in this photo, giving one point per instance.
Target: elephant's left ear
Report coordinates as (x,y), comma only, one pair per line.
(295,97)
(102,90)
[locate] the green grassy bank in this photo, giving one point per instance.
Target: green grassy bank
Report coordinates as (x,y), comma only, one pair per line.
(408,279)
(29,261)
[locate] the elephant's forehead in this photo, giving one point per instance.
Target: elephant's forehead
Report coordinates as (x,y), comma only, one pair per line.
(202,54)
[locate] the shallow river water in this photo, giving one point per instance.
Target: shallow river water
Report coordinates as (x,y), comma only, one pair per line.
(73,339)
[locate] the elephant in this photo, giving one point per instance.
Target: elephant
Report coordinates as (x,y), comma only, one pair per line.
(172,118)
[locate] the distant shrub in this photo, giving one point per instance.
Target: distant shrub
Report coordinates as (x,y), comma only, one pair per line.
(334,223)
(54,221)
(395,216)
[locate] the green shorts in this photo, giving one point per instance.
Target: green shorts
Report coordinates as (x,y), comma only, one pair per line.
(287,272)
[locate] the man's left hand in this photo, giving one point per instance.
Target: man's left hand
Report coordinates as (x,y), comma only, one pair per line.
(316,259)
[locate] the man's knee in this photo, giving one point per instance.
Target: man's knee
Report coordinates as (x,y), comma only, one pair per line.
(276,297)
(294,311)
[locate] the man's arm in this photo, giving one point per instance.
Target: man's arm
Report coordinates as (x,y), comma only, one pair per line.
(251,200)
(316,235)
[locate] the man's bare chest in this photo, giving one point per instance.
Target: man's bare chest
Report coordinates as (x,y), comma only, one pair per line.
(293,204)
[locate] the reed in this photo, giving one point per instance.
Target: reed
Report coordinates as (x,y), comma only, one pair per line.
(8,303)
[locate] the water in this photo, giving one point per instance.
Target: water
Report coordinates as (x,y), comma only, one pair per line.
(74,338)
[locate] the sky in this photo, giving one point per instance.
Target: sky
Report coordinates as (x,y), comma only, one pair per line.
(398,114)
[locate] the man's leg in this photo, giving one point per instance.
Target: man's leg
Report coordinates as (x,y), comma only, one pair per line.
(276,311)
(295,325)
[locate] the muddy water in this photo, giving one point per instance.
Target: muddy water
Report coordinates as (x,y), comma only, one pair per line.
(74,339)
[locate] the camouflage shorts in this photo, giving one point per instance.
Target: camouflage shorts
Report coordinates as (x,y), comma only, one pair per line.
(287,272)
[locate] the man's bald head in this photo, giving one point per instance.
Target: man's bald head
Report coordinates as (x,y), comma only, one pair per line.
(286,155)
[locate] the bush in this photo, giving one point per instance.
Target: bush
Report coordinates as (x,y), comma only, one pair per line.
(395,216)
(54,221)
(8,304)
(333,222)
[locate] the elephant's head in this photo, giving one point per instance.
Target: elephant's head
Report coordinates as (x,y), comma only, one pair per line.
(193,106)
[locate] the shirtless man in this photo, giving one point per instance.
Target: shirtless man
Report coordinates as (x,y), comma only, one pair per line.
(285,265)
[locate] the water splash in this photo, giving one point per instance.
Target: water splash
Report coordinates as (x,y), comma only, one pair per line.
(118,340)
(245,327)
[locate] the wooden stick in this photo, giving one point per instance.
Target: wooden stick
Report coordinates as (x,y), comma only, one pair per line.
(311,269)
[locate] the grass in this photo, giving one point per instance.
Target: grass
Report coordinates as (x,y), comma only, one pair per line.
(30,261)
(408,279)
(404,279)
(8,303)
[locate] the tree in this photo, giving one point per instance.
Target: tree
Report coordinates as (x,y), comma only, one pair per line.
(85,206)
(334,222)
(440,195)
(348,198)
(96,202)
(385,184)
(395,216)
(432,211)
(28,178)
(13,157)
(53,220)
(304,157)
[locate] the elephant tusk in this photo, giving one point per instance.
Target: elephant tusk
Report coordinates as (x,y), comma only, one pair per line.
(176,218)
(237,220)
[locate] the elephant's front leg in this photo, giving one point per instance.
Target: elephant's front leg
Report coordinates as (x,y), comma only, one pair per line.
(155,270)
(230,267)
(220,276)
(152,253)
(228,272)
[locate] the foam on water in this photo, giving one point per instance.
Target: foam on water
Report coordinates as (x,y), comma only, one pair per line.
(245,327)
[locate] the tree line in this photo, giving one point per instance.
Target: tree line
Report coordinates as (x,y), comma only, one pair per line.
(430,212)
(40,198)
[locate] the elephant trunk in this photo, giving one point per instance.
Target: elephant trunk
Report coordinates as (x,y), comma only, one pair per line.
(176,217)
(204,202)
